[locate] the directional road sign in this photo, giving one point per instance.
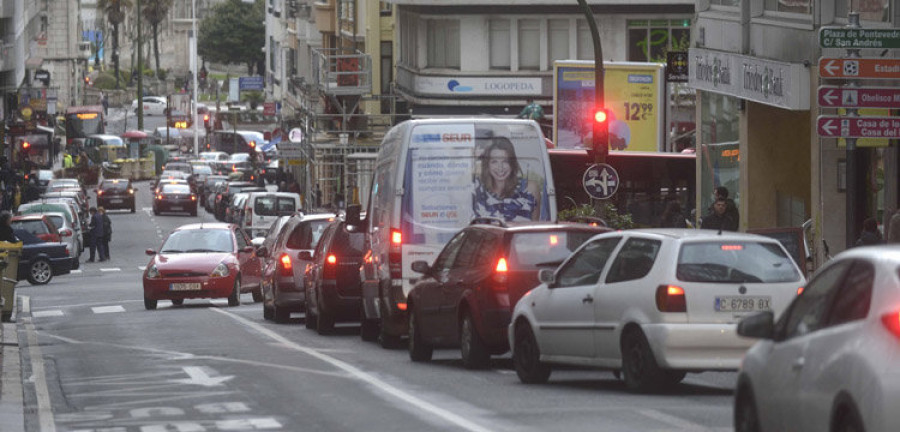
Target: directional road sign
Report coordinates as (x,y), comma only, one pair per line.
(859,68)
(858,127)
(251,83)
(849,38)
(859,97)
(600,181)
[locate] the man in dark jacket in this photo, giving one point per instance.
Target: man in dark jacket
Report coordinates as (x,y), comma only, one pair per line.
(6,231)
(718,218)
(107,233)
(95,234)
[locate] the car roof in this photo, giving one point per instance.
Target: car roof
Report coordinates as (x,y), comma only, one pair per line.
(205,225)
(28,216)
(889,252)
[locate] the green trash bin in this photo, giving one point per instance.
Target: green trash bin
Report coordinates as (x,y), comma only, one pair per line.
(9,264)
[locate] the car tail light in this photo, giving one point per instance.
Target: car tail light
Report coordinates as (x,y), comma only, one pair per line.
(130,191)
(891,321)
(500,273)
(66,232)
(670,298)
(329,270)
(159,197)
(800,290)
(286,265)
(395,260)
(193,197)
(67,251)
(100,192)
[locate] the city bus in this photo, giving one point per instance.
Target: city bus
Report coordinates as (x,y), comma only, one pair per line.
(82,121)
(648,182)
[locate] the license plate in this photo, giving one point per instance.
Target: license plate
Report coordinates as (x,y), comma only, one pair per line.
(175,208)
(184,286)
(743,303)
(116,201)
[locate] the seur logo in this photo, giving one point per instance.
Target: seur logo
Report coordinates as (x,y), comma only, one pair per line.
(454,86)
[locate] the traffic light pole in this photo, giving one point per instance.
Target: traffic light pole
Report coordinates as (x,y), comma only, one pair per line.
(140,72)
(600,140)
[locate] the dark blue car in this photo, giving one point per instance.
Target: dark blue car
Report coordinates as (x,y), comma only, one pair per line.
(40,260)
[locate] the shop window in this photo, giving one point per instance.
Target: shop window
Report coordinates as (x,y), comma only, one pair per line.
(875,10)
(789,6)
(558,45)
(529,44)
(499,43)
(649,40)
(443,44)
(719,137)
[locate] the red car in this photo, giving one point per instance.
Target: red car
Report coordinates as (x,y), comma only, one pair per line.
(38,224)
(210,260)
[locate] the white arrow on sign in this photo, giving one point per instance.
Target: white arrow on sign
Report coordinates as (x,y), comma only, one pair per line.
(829,97)
(828,127)
(831,67)
(200,377)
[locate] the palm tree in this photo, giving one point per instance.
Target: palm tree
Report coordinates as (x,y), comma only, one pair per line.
(155,12)
(115,14)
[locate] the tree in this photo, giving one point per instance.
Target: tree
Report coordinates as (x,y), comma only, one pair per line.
(115,14)
(234,33)
(155,12)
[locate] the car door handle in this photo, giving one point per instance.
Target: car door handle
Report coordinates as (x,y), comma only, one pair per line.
(798,363)
(587,299)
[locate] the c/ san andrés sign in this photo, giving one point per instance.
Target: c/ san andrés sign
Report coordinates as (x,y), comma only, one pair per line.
(848,38)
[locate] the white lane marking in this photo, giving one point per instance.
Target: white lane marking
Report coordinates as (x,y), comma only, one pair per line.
(403,396)
(198,376)
(80,305)
(110,269)
(677,422)
(47,313)
(38,376)
(75,271)
(107,309)
(142,268)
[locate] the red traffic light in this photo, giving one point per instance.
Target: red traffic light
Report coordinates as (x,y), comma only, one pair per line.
(26,144)
(600,116)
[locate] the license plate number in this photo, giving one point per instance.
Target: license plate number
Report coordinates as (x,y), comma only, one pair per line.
(743,303)
(116,201)
(176,208)
(184,286)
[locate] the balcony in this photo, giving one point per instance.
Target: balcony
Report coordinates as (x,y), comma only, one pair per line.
(342,72)
(325,17)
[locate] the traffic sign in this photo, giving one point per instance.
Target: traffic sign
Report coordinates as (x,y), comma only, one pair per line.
(859,68)
(850,38)
(600,181)
(859,97)
(251,83)
(858,127)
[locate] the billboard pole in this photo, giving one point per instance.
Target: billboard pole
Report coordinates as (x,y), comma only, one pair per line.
(600,141)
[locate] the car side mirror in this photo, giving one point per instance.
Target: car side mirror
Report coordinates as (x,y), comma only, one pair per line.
(305,255)
(547,276)
(262,252)
(420,267)
(257,241)
(150,252)
(760,325)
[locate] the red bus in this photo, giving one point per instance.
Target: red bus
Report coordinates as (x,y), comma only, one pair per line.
(648,182)
(82,121)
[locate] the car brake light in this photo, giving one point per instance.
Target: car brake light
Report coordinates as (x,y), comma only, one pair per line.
(332,259)
(799,290)
(193,197)
(159,197)
(401,306)
(395,258)
(329,271)
(131,191)
(891,321)
(286,265)
(670,298)
(100,192)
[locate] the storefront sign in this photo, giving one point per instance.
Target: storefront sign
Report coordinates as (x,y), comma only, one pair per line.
(780,84)
(477,86)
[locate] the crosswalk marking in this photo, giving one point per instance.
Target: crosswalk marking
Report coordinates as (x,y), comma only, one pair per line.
(47,313)
(110,269)
(76,271)
(142,268)
(107,309)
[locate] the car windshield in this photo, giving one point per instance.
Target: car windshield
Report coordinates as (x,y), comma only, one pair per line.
(307,235)
(199,241)
(735,262)
(544,249)
(202,169)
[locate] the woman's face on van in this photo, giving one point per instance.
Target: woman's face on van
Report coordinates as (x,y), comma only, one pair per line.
(499,164)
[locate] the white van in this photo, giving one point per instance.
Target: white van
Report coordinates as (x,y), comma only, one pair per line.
(431,178)
(262,209)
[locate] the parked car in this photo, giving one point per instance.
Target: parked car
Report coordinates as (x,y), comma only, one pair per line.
(235,208)
(284,272)
(332,283)
(43,178)
(68,235)
(153,105)
(68,209)
(208,260)
(828,363)
(40,260)
(465,299)
(175,197)
(116,194)
(653,304)
(38,225)
(262,208)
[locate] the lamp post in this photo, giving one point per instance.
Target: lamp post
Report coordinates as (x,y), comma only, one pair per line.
(193,62)
(600,140)
(140,70)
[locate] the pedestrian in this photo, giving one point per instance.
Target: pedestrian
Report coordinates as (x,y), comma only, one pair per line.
(721,192)
(6,231)
(532,111)
(107,233)
(95,235)
(104,100)
(718,218)
(894,228)
(870,234)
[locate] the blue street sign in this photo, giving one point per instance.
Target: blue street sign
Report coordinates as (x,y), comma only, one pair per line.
(251,83)
(600,181)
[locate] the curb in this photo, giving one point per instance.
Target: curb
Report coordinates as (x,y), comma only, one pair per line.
(12,409)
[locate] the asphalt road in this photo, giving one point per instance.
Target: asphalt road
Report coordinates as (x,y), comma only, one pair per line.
(94,359)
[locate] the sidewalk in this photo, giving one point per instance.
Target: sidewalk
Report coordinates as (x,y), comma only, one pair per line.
(12,410)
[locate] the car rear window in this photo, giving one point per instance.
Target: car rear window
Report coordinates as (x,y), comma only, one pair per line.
(307,234)
(272,205)
(176,188)
(57,220)
(32,226)
(110,185)
(744,261)
(544,249)
(346,243)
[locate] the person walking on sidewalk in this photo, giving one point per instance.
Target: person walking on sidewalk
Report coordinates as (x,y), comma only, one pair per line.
(95,234)
(107,233)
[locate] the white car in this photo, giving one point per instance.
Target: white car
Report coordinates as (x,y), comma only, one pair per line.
(652,304)
(69,235)
(829,363)
(153,105)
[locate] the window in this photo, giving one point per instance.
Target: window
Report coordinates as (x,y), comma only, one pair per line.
(789,6)
(585,267)
(855,297)
(469,250)
(877,10)
(384,8)
(808,311)
(499,43)
(558,46)
(529,44)
(241,239)
(585,49)
(649,40)
(731,3)
(634,261)
(443,44)
(448,255)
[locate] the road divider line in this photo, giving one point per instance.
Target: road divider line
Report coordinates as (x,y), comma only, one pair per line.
(110,269)
(38,374)
(403,396)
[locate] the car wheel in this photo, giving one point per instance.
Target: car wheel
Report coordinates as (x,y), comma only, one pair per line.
(639,367)
(673,377)
(235,298)
(76,262)
(257,295)
(474,354)
(309,319)
(177,302)
(527,357)
(368,330)
(155,212)
(419,350)
(149,304)
(746,418)
(40,272)
(267,313)
(848,421)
